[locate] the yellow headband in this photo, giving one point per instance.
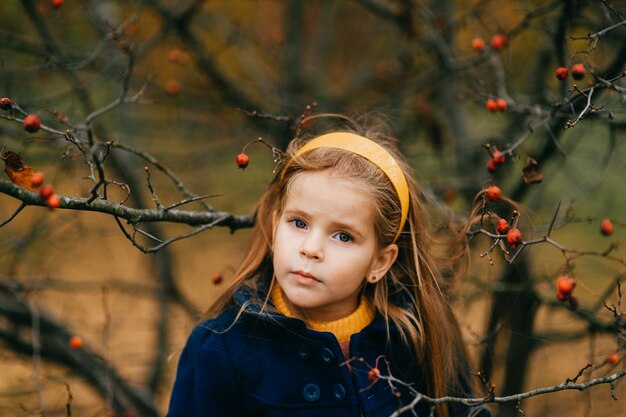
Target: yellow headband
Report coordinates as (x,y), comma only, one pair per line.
(371,151)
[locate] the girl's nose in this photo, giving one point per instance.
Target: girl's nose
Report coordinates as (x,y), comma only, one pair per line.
(312,247)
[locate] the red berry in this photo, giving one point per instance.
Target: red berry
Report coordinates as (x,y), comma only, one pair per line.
(491,105)
(501,104)
(503,226)
(498,157)
(613,358)
(492,166)
(560,296)
(53,201)
(373,374)
(56,3)
(32,123)
(174,55)
(37,179)
(565,285)
(478,44)
(5,103)
(499,41)
(172,87)
(514,237)
(243,160)
(46,191)
(493,193)
(578,72)
(606,227)
(562,73)
(76,342)
(217,278)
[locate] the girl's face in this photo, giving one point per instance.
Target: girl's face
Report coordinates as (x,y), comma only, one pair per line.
(325,246)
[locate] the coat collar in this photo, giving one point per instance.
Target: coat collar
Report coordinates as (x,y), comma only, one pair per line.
(244,305)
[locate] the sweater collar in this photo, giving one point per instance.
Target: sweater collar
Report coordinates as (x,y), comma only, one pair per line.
(342,328)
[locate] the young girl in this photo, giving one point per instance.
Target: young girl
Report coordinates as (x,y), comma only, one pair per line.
(336,309)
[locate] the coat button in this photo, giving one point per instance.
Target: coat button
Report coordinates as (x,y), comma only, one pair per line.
(328,356)
(304,352)
(339,392)
(311,392)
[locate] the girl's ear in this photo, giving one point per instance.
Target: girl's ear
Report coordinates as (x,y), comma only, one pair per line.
(384,260)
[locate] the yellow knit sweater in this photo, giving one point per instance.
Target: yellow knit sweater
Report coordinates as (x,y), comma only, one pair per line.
(342,328)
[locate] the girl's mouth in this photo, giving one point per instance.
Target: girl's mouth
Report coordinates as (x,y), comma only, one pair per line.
(305,278)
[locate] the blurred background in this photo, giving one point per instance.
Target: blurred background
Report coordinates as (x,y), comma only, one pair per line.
(181,86)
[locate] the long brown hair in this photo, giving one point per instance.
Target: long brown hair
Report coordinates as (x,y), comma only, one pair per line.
(410,296)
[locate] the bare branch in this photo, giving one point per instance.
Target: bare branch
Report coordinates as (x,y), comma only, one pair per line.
(132,215)
(472,402)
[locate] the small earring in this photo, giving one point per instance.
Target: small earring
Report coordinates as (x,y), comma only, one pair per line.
(372,278)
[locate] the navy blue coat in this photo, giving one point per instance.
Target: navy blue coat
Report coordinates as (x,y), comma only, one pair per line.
(271,365)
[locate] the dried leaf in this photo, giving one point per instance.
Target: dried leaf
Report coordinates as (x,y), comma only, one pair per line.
(531,173)
(19,173)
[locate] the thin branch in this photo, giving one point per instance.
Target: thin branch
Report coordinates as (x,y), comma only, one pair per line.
(164,169)
(554,216)
(15,213)
(472,402)
(167,242)
(191,200)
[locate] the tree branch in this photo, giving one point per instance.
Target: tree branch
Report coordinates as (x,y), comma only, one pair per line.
(132,215)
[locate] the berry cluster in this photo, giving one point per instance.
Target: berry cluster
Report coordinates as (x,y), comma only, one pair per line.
(497,159)
(578,72)
(498,42)
(173,87)
(564,287)
(31,122)
(513,234)
(46,192)
(497,104)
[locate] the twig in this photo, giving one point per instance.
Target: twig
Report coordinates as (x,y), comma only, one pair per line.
(554,216)
(191,200)
(583,113)
(578,375)
(164,243)
(165,170)
(15,213)
(68,403)
(155,198)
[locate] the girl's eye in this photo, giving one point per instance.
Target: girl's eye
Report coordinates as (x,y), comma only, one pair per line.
(344,237)
(298,223)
